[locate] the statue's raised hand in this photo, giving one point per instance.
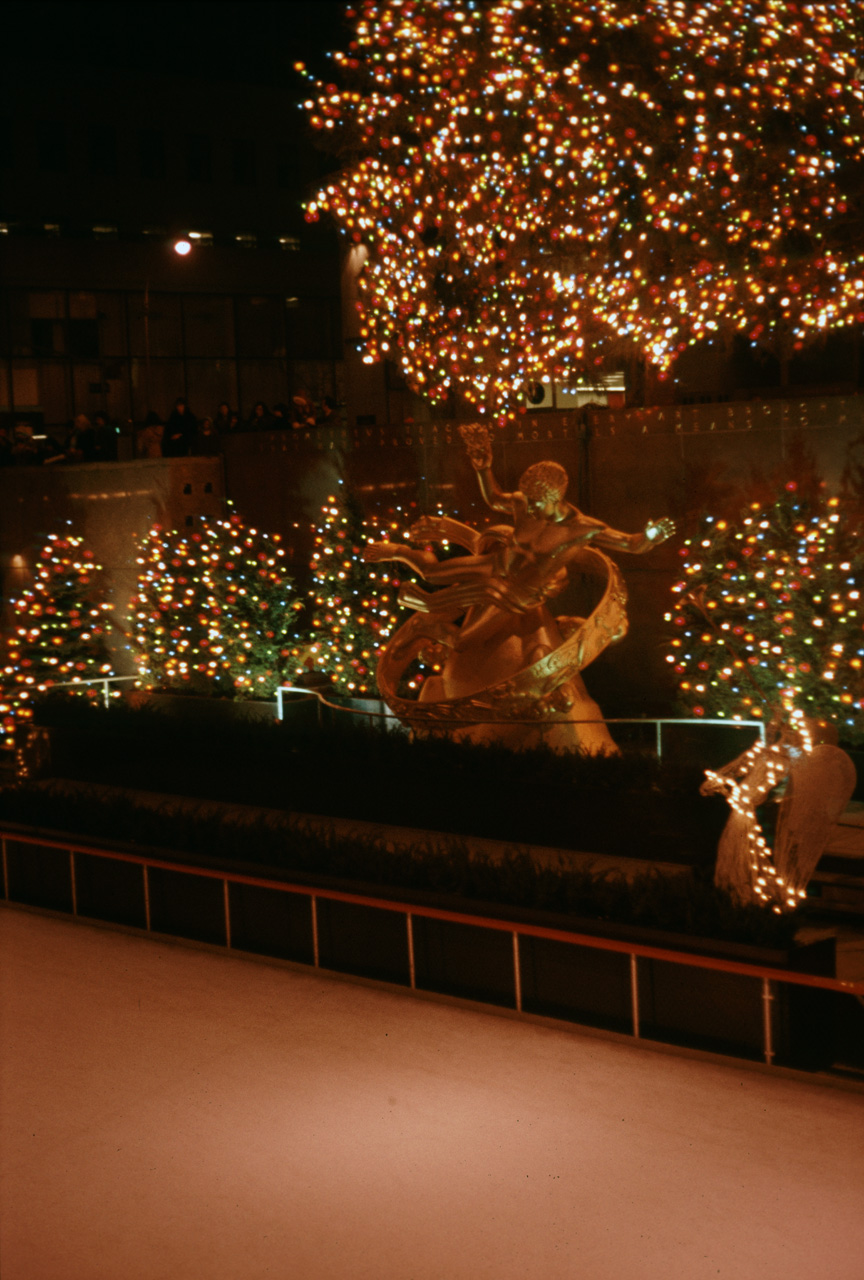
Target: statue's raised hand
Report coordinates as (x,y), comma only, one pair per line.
(478,445)
(657,531)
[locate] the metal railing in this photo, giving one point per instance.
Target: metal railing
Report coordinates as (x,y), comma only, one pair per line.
(755,726)
(768,977)
(387,719)
(105,681)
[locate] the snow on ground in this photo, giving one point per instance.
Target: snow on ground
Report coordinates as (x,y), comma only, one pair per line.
(169,1112)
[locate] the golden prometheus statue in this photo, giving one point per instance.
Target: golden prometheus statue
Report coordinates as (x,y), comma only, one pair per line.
(508,666)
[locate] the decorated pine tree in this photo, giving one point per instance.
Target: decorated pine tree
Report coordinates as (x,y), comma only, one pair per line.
(537,188)
(215,610)
(768,614)
(58,632)
(352,606)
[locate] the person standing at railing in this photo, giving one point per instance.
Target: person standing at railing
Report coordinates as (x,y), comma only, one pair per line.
(222,419)
(149,440)
(207,443)
(180,431)
(260,418)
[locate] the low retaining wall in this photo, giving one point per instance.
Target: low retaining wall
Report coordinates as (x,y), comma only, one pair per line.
(746,1010)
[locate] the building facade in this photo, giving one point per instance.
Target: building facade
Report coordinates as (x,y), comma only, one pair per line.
(98,180)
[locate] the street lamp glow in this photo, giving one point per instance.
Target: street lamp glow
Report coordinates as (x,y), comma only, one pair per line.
(182,247)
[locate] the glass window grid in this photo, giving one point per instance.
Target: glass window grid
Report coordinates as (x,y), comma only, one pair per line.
(237,373)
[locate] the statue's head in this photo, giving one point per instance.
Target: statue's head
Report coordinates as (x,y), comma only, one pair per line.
(544,483)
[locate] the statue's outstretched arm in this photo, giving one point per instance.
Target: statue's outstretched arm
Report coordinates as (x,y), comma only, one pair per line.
(443,529)
(655,532)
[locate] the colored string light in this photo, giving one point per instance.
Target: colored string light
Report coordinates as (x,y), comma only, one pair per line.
(215,610)
(768,616)
(352,606)
(58,633)
(544,189)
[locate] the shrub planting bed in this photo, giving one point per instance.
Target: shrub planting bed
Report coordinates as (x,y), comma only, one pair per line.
(686,906)
(627,805)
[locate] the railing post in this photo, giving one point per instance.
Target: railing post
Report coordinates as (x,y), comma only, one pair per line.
(767,1020)
(517,973)
(280,714)
(227,914)
(72,882)
(658,725)
(106,694)
(146,896)
(5,868)
(412,972)
(634,993)
(314,905)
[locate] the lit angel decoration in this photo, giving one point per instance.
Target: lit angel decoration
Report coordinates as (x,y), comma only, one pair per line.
(542,187)
(816,780)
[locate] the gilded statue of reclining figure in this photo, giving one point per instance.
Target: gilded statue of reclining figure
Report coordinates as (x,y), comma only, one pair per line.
(489,609)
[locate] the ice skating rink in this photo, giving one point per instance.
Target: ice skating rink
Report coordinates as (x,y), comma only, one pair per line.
(175,1114)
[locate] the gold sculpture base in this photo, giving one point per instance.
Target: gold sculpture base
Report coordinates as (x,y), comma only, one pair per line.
(520,685)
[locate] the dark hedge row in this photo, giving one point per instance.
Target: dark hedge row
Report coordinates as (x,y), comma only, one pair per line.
(685,904)
(628,805)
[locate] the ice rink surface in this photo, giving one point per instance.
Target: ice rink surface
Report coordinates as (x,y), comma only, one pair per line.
(174,1114)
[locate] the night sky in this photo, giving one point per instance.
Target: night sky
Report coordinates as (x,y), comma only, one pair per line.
(255,43)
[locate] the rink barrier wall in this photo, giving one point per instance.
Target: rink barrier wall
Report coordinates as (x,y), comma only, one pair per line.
(741,1009)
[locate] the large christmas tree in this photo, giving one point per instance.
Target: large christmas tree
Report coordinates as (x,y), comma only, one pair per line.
(215,610)
(541,186)
(768,615)
(58,633)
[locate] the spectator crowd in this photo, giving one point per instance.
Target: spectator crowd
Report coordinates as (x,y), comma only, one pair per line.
(85,441)
(183,433)
(180,435)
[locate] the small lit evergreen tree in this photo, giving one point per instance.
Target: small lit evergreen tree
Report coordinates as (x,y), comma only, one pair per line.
(352,606)
(58,632)
(215,610)
(768,614)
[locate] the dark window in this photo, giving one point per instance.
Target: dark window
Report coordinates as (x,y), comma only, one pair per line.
(151,150)
(199,164)
(103,150)
(287,169)
(51,146)
(42,337)
(83,339)
(313,332)
(260,327)
(243,162)
(7,146)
